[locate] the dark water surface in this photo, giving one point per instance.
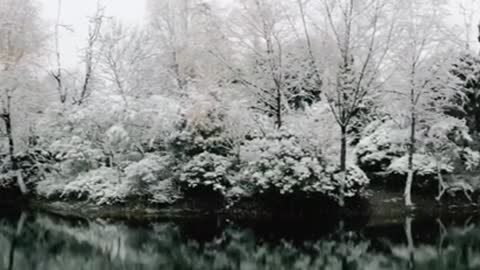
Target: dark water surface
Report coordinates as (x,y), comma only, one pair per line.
(38,241)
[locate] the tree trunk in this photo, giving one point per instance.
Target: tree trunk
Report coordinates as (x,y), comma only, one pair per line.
(410,243)
(343,149)
(8,127)
(7,118)
(411,152)
(279,108)
(343,163)
(441,184)
(408,189)
(477,120)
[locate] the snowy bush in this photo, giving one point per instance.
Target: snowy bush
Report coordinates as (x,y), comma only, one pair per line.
(423,165)
(441,146)
(50,187)
(164,192)
(278,163)
(147,170)
(383,142)
(26,169)
(446,141)
(7,179)
(316,130)
(76,155)
(116,139)
(149,178)
(203,150)
(147,173)
(102,186)
(352,184)
(471,158)
(199,132)
(207,170)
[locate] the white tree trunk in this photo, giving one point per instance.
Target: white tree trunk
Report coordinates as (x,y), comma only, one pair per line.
(408,189)
(410,243)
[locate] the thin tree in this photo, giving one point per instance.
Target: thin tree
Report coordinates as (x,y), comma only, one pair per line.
(271,68)
(57,74)
(125,60)
(419,62)
(90,58)
(21,41)
(362,34)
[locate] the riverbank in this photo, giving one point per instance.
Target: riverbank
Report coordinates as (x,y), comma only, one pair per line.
(379,208)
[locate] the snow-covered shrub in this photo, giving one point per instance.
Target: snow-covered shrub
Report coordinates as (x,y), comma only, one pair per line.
(447,140)
(164,192)
(207,170)
(142,175)
(147,170)
(198,133)
(441,147)
(76,155)
(277,163)
(471,158)
(7,179)
(158,115)
(316,130)
(203,150)
(102,186)
(383,142)
(423,165)
(25,169)
(148,178)
(116,139)
(51,187)
(352,184)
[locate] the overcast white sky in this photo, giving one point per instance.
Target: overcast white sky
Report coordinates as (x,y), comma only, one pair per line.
(75,14)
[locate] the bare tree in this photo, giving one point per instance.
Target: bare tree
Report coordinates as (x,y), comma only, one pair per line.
(362,33)
(272,67)
(21,41)
(126,59)
(57,74)
(171,21)
(467,10)
(90,55)
(420,60)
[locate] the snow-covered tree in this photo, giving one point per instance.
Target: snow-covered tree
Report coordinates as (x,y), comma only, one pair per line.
(465,103)
(420,63)
(362,34)
(125,61)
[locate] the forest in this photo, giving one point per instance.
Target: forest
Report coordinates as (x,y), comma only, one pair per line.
(322,102)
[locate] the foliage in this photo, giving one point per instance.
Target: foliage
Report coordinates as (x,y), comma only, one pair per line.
(203,150)
(277,163)
(423,165)
(101,186)
(316,130)
(382,143)
(167,108)
(352,184)
(442,145)
(207,170)
(467,70)
(75,155)
(147,171)
(164,191)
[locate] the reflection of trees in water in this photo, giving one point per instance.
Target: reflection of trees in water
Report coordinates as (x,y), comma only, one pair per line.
(44,243)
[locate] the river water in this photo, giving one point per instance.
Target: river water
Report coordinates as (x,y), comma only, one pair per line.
(40,241)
